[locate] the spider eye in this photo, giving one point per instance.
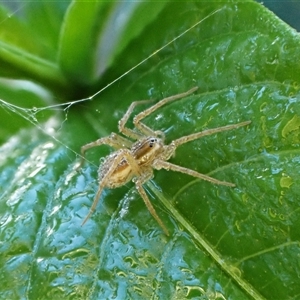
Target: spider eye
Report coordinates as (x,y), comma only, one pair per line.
(152,141)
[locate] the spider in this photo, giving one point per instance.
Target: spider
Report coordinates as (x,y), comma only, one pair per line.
(136,160)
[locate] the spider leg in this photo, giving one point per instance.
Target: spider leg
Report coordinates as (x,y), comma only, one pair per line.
(95,202)
(114,140)
(145,129)
(160,164)
(198,135)
(121,125)
(150,207)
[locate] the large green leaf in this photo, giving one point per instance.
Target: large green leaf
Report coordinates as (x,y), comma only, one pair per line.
(105,30)
(237,243)
(29,37)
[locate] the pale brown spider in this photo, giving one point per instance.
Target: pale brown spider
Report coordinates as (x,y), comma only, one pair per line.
(136,160)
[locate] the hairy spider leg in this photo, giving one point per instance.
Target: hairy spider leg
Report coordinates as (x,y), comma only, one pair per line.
(170,151)
(114,140)
(121,125)
(161,164)
(200,134)
(150,207)
(145,129)
(122,154)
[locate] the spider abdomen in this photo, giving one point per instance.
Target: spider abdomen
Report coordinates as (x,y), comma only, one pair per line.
(122,172)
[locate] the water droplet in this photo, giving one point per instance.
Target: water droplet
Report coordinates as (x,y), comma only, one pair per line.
(286,181)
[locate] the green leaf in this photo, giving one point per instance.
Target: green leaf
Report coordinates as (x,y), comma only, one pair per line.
(29,36)
(239,243)
(105,30)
